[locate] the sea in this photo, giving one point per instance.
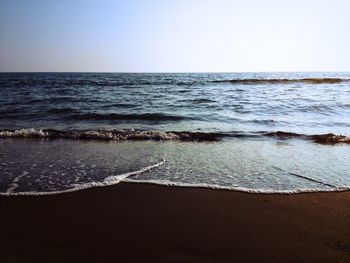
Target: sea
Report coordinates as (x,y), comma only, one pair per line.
(254,132)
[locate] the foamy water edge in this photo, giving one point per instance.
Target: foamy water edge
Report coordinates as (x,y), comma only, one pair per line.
(113,180)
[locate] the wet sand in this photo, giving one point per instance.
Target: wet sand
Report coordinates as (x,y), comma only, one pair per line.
(149,223)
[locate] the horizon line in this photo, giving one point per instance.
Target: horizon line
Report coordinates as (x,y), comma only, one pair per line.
(175,72)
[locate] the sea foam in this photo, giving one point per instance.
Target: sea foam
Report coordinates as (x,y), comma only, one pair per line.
(111,180)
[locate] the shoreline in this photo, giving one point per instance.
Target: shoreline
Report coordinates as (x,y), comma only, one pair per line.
(115,181)
(131,222)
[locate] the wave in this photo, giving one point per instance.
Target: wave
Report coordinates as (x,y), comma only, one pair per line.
(137,135)
(52,100)
(111,180)
(118,135)
(285,81)
(116,116)
(328,138)
(10,111)
(200,101)
(119,105)
(196,101)
(61,110)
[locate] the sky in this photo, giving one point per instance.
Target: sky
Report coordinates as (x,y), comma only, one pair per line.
(174,35)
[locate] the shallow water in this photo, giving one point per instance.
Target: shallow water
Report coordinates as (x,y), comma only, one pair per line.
(41,165)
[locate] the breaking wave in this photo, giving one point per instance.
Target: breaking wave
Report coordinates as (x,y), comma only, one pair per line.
(328,138)
(131,134)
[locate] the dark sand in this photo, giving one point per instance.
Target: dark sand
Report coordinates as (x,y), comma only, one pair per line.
(149,223)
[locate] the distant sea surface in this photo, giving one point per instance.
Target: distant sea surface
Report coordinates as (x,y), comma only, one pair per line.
(255,132)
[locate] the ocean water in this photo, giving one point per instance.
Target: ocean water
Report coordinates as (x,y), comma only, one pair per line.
(255,132)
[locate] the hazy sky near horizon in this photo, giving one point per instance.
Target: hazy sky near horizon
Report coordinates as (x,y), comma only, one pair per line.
(174,36)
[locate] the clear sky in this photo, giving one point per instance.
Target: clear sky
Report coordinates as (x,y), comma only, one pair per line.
(174,35)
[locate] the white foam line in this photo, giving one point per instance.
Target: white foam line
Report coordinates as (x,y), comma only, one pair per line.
(237,188)
(14,184)
(125,178)
(24,133)
(111,180)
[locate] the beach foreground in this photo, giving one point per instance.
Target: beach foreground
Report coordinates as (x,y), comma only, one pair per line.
(149,223)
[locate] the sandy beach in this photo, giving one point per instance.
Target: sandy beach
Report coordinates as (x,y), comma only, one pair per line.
(149,223)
